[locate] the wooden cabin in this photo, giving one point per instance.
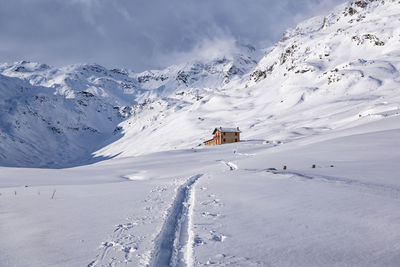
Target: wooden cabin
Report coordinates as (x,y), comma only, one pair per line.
(224,136)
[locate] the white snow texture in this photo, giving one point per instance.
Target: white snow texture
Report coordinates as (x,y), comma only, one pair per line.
(106,167)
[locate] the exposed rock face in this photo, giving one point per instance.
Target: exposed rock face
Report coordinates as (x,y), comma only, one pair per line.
(313,43)
(214,73)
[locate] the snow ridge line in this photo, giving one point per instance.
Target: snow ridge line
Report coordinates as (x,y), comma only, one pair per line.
(393,191)
(173,244)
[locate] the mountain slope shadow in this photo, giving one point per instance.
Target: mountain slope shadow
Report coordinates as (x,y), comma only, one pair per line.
(41,129)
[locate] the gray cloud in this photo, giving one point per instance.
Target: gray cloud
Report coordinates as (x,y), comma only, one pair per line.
(141,34)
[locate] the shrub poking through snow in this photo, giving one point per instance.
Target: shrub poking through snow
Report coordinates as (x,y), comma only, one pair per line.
(54,192)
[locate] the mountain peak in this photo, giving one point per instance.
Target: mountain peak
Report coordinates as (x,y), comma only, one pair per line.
(312,46)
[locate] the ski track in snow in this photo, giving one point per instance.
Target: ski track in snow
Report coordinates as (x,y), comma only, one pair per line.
(381,189)
(174,243)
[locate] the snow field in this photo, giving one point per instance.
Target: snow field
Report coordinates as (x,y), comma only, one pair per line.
(341,215)
(133,187)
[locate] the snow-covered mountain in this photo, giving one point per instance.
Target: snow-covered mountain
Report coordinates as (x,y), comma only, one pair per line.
(328,73)
(59,116)
(215,73)
(319,77)
(52,117)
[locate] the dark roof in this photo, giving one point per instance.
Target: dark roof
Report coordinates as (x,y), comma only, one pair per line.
(227,130)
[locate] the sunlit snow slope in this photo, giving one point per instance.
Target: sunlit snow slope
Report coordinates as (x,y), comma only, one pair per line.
(328,73)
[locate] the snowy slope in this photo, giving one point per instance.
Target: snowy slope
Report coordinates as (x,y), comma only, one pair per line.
(68,113)
(57,117)
(226,206)
(322,76)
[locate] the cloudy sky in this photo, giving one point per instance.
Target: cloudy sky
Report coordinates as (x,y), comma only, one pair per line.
(142,34)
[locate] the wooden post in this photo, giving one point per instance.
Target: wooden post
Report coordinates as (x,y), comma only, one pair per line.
(54,192)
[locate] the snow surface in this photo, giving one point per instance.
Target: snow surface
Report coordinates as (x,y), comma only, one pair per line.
(123,182)
(228,205)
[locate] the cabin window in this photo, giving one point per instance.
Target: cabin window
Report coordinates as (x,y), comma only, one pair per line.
(235,134)
(224,134)
(235,139)
(224,140)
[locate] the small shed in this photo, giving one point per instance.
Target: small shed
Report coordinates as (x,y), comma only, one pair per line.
(224,136)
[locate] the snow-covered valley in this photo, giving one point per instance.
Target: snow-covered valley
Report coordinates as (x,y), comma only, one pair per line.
(104,168)
(242,208)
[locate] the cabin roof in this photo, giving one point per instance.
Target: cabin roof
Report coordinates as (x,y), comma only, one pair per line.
(227,130)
